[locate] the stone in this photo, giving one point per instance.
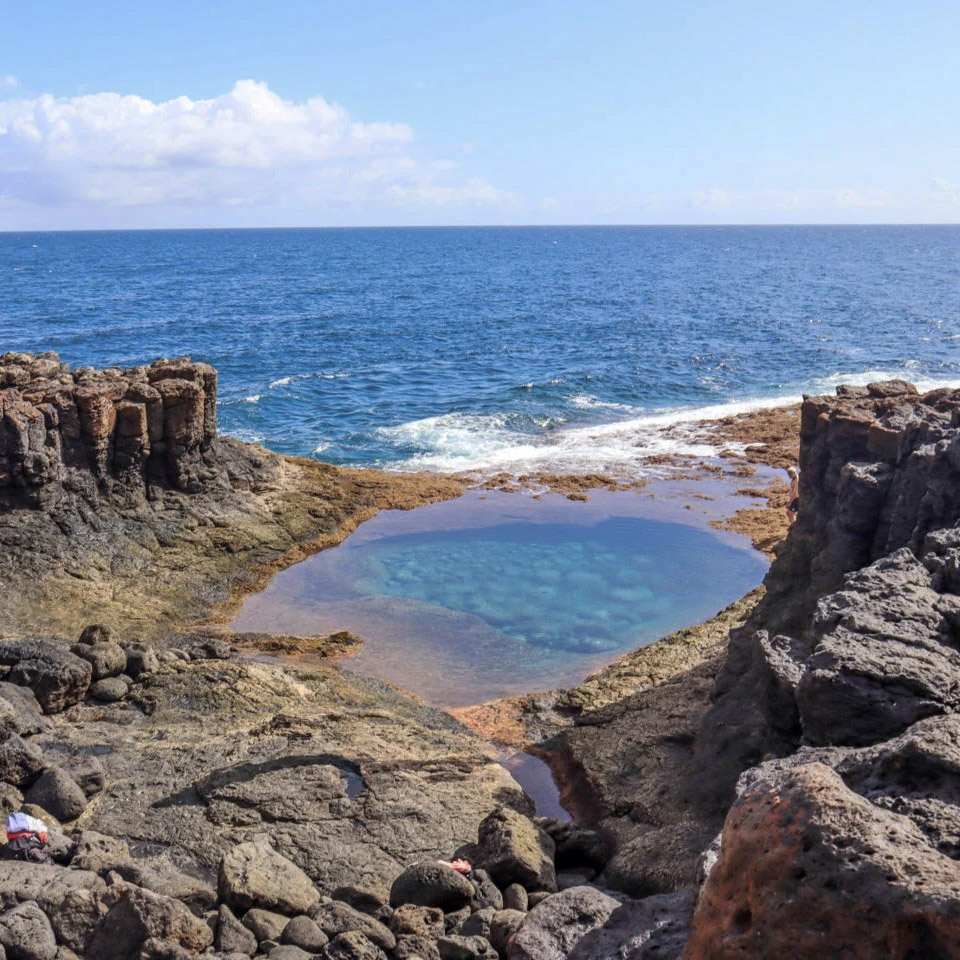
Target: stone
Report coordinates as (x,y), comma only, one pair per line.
(513,849)
(253,874)
(157,949)
(478,923)
(804,861)
(265,924)
(96,633)
(515,898)
(141,659)
(455,919)
(98,852)
(210,648)
(409,920)
(29,717)
(108,690)
(26,934)
(576,846)
(465,948)
(106,660)
(289,952)
(431,884)
(10,799)
(487,893)
(351,946)
(575,878)
(34,810)
(20,761)
(55,790)
(232,936)
(88,773)
(409,947)
(57,678)
(304,933)
(137,915)
(554,927)
(503,925)
(336,917)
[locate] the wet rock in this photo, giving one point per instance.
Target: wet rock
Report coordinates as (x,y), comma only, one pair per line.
(57,678)
(410,920)
(232,936)
(513,849)
(465,948)
(503,925)
(136,915)
(253,874)
(351,946)
(55,790)
(304,933)
(265,924)
(805,861)
(106,660)
(515,898)
(336,917)
(20,761)
(141,659)
(554,927)
(431,884)
(26,934)
(109,690)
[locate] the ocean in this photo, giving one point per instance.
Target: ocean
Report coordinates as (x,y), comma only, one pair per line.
(516,349)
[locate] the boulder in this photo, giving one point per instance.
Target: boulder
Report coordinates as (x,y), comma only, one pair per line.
(366,900)
(503,926)
(253,874)
(98,852)
(513,849)
(26,934)
(141,659)
(288,952)
(96,633)
(336,917)
(487,893)
(478,923)
(806,862)
(432,884)
(232,936)
(410,920)
(576,846)
(57,678)
(304,933)
(109,690)
(351,946)
(29,716)
(465,948)
(55,790)
(88,772)
(136,915)
(422,948)
(515,898)
(11,799)
(655,928)
(105,659)
(265,924)
(20,761)
(554,927)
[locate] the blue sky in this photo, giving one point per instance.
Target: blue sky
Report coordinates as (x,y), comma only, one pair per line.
(119,114)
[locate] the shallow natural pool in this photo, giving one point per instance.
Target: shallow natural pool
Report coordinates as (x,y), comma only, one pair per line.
(499,594)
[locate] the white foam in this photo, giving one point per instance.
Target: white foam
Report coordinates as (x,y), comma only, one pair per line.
(282,382)
(253,398)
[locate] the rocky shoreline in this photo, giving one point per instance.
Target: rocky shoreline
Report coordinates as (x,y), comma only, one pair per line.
(779,781)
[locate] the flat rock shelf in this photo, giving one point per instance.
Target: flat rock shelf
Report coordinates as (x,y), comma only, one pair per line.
(497,594)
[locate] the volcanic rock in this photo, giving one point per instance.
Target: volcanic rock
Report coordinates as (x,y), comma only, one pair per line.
(431,884)
(253,874)
(58,792)
(335,917)
(304,933)
(232,936)
(20,761)
(513,849)
(57,678)
(351,946)
(553,928)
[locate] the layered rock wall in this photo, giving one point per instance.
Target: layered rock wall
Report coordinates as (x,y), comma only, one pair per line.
(126,429)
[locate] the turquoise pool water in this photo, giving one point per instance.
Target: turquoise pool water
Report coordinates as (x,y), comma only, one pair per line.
(477,598)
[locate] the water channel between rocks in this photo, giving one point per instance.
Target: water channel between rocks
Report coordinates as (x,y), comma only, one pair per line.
(498,594)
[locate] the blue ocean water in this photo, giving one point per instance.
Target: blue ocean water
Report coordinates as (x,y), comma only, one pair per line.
(505,348)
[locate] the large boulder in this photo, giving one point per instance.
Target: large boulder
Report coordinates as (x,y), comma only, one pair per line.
(553,928)
(304,933)
(807,864)
(26,934)
(232,936)
(105,659)
(253,874)
(351,946)
(514,849)
(431,884)
(29,717)
(20,761)
(56,791)
(136,915)
(334,918)
(57,678)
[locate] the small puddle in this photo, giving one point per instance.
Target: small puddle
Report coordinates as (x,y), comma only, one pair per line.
(535,777)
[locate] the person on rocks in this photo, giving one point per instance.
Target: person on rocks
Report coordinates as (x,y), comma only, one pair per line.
(26,839)
(793,496)
(460,865)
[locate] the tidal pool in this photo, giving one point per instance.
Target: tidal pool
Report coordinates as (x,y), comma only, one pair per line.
(498,594)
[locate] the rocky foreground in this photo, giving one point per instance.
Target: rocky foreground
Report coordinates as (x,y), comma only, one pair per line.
(781,782)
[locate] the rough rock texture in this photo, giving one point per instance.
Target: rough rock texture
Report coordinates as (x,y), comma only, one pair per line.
(57,792)
(431,884)
(514,849)
(253,874)
(57,678)
(26,934)
(553,928)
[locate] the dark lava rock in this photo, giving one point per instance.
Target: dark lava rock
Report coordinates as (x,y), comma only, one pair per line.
(141,659)
(576,846)
(515,898)
(336,917)
(304,933)
(105,659)
(109,690)
(575,878)
(366,900)
(26,934)
(503,926)
(513,849)
(20,762)
(432,884)
(57,678)
(410,920)
(253,874)
(55,790)
(265,924)
(465,948)
(289,952)
(478,923)
(30,718)
(488,894)
(555,926)
(423,948)
(351,946)
(232,936)
(453,921)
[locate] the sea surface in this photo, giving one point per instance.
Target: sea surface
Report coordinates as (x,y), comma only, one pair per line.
(559,348)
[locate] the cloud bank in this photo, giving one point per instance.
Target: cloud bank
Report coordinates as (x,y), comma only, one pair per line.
(246,148)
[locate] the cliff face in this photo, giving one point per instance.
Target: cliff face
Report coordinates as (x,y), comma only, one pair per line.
(127,430)
(849,672)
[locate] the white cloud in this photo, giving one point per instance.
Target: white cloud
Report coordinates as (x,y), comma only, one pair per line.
(246,147)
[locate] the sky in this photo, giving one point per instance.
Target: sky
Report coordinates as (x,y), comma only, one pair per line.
(313,113)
